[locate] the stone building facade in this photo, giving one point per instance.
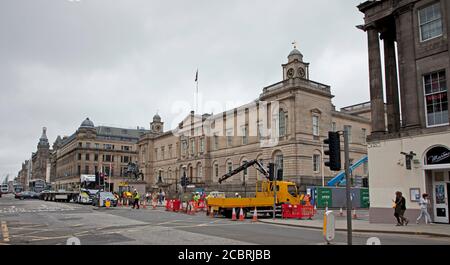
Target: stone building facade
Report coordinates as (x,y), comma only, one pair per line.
(94,149)
(23,174)
(286,125)
(40,159)
(411,154)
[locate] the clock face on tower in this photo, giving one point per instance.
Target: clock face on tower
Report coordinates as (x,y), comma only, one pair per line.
(290,73)
(301,72)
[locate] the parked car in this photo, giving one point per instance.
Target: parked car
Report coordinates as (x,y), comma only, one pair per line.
(27,195)
(101,197)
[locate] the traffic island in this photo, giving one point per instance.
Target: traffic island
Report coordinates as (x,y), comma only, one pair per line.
(363,226)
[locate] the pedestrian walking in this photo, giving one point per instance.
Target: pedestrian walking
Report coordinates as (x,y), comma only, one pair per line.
(399,209)
(163,197)
(136,197)
(424,202)
(160,197)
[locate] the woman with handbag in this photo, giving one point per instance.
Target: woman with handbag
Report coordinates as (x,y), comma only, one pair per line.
(399,209)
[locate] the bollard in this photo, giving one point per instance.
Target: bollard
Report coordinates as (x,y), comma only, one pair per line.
(329,227)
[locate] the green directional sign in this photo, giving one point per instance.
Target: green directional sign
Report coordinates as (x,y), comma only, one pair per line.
(365,199)
(324,197)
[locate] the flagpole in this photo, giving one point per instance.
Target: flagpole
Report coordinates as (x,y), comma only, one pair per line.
(196,107)
(109,178)
(196,100)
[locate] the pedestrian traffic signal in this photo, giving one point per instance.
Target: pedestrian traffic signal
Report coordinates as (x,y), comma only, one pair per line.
(365,182)
(184,181)
(334,151)
(102,179)
(280,174)
(97,178)
(271,171)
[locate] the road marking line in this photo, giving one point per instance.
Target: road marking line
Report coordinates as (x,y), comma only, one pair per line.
(5,232)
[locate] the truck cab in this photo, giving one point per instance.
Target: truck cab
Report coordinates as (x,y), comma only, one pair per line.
(287,192)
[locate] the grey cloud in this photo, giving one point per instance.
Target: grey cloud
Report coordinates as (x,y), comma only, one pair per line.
(118,62)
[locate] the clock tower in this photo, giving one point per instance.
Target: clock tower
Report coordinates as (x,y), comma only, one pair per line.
(157,126)
(295,68)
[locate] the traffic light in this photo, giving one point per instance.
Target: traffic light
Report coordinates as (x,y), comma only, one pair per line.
(102,179)
(184,181)
(97,178)
(334,151)
(365,182)
(271,171)
(280,174)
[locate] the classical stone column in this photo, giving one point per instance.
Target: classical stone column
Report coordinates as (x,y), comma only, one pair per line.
(392,96)
(407,67)
(376,83)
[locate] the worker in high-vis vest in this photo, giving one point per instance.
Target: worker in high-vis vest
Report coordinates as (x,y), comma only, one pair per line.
(136,197)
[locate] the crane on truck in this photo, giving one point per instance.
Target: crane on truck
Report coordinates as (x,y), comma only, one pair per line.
(245,166)
(264,200)
(340,178)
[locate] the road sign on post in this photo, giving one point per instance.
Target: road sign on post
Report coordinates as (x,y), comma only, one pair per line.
(324,197)
(364,198)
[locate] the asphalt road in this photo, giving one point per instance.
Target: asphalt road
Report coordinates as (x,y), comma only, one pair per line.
(49,223)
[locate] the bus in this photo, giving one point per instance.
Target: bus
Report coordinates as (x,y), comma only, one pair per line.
(18,187)
(37,185)
(4,188)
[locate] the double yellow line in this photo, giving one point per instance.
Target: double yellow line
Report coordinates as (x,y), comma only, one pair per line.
(5,232)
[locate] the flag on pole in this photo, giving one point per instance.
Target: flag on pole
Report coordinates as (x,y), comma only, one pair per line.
(196,76)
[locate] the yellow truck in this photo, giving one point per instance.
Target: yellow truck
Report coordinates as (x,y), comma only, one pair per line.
(286,193)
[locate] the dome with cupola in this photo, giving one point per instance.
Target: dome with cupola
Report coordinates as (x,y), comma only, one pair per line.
(87,123)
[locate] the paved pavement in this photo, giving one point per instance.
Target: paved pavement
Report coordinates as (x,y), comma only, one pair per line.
(362,224)
(49,223)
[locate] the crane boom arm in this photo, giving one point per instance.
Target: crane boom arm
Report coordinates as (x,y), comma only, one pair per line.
(246,165)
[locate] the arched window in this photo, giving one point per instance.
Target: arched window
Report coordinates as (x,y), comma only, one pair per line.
(244,173)
(438,155)
(282,116)
(199,171)
(279,161)
(317,162)
(229,166)
(169,175)
(216,172)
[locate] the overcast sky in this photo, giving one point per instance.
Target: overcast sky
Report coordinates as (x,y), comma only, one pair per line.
(118,62)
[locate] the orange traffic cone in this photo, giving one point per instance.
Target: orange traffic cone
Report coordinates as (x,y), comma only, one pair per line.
(241,215)
(354,214)
(255,216)
(154,204)
(233,216)
(119,203)
(211,213)
(144,204)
